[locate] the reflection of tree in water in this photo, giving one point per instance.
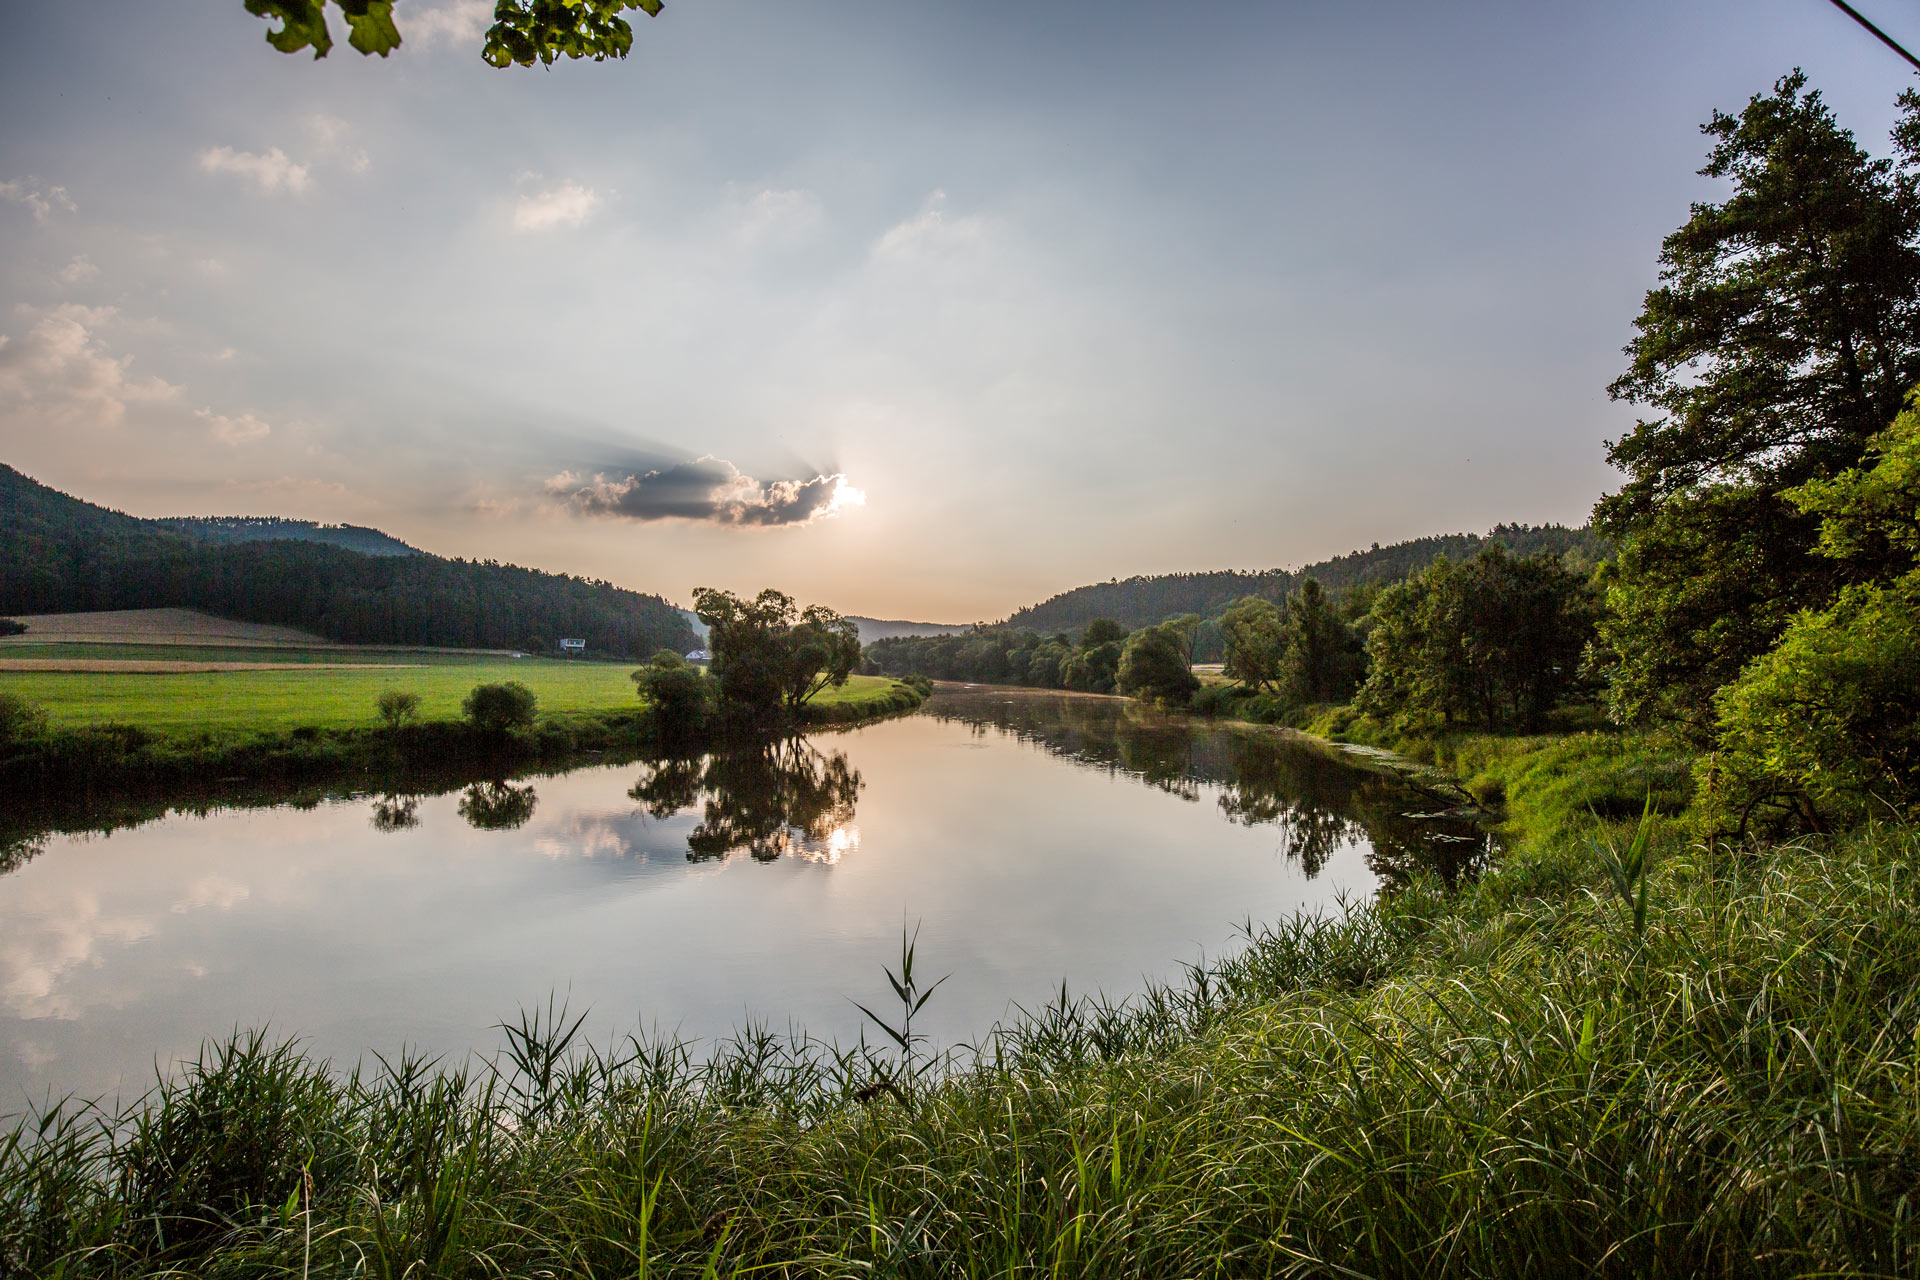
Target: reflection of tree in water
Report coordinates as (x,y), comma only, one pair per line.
(787,796)
(398,813)
(17,851)
(497,806)
(1320,802)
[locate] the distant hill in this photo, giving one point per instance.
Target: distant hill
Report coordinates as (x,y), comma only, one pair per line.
(368,542)
(59,554)
(1142,601)
(871,629)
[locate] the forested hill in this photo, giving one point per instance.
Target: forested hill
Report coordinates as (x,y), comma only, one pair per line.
(353,537)
(1143,601)
(61,555)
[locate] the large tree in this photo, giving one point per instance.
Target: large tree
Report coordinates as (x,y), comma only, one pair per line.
(769,656)
(1783,334)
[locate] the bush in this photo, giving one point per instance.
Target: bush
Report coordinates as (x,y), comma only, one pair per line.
(496,708)
(398,707)
(680,695)
(1821,732)
(20,718)
(12,627)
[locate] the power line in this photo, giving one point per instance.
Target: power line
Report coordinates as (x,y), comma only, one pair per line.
(1882,36)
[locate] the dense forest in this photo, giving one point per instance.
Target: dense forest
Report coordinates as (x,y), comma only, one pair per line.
(353,537)
(1145,600)
(63,555)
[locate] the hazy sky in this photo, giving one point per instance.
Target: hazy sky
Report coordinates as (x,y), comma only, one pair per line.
(1063,291)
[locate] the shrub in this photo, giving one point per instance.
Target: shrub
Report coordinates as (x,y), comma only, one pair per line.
(680,695)
(496,708)
(397,707)
(1822,731)
(12,627)
(20,718)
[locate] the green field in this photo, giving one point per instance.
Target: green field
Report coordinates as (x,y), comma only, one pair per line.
(325,698)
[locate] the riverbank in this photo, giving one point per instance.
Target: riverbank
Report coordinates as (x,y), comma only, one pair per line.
(155,731)
(1524,1075)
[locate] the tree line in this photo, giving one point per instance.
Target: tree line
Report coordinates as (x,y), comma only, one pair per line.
(62,555)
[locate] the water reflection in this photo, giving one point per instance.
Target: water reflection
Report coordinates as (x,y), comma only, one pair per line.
(396,813)
(1318,800)
(496,806)
(786,797)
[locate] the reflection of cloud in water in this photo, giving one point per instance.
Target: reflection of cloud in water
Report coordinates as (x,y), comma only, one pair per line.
(590,834)
(49,941)
(211,891)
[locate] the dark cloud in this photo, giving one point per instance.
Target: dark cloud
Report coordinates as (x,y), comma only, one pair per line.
(707,489)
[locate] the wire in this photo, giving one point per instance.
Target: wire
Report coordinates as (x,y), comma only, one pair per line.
(1882,36)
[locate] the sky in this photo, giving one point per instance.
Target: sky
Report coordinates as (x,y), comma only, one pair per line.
(919,311)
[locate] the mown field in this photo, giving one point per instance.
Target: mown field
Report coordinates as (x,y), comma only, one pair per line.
(327,697)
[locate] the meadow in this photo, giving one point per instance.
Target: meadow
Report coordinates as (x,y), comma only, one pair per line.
(329,697)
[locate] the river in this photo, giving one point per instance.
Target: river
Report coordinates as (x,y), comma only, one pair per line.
(1031,839)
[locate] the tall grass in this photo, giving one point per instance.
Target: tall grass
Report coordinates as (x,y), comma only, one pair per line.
(1517,1080)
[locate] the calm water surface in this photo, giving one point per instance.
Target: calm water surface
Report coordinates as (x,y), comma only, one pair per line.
(1033,837)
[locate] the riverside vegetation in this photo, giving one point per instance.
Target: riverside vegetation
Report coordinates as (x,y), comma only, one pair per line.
(1672,1031)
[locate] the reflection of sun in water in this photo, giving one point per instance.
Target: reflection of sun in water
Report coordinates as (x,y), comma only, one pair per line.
(827,851)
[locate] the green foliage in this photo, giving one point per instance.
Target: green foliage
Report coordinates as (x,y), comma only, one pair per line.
(523,31)
(1321,658)
(1254,633)
(1784,334)
(496,708)
(1492,642)
(772,658)
(1154,664)
(497,805)
(680,695)
(1824,730)
(530,31)
(398,708)
(12,627)
(303,25)
(1145,600)
(20,718)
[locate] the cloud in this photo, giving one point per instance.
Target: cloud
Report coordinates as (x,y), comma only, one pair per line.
(81,268)
(458,22)
(41,200)
(59,368)
(567,205)
(707,489)
(931,233)
(271,172)
(774,215)
(330,136)
(244,429)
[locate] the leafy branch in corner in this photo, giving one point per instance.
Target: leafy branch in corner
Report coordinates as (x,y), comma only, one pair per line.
(523,31)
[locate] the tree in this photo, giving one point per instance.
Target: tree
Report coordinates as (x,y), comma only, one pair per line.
(397,708)
(770,658)
(1253,631)
(1785,333)
(496,708)
(1493,642)
(1321,659)
(1102,631)
(679,695)
(1824,730)
(523,31)
(497,806)
(20,718)
(1154,663)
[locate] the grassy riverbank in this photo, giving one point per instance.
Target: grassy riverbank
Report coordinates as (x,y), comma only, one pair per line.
(1517,1079)
(108,728)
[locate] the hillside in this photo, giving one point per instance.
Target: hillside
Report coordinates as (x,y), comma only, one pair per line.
(59,554)
(353,537)
(1142,601)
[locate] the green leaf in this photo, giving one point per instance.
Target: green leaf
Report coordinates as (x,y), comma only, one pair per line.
(372,26)
(303,24)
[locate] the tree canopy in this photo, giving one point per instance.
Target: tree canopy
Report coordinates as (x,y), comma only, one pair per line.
(771,657)
(1785,332)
